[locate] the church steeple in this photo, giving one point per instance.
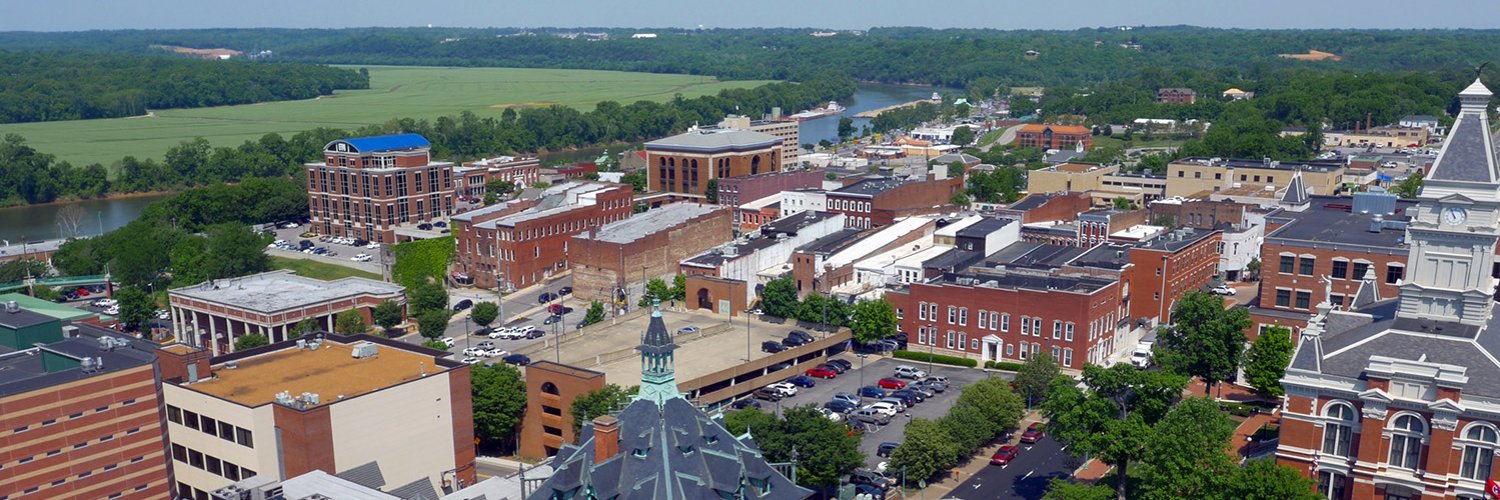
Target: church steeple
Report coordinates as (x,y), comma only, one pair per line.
(658,371)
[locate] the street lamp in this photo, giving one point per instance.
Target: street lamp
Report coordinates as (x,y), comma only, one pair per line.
(931,345)
(862,357)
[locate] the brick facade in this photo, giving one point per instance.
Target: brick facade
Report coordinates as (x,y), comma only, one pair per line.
(551,389)
(1060,137)
(471,178)
(686,162)
(1167,268)
(705,292)
(601,268)
(735,191)
(523,248)
(366,194)
(881,206)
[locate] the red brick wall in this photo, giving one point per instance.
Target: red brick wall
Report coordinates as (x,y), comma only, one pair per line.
(1185,270)
(673,171)
(1272,278)
(525,253)
(736,191)
(306,438)
(912,198)
(462,398)
(717,289)
(327,193)
(571,383)
(599,267)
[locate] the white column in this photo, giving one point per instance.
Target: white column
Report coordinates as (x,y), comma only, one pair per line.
(213,334)
(176,322)
(284,331)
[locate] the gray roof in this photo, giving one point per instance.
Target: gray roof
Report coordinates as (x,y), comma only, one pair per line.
(1030,281)
(834,242)
(23,318)
(470,215)
(1468,155)
(795,222)
(277,291)
(420,489)
(1176,239)
(668,452)
(367,475)
(657,339)
(1331,219)
(21,371)
(716,140)
(952,157)
(1032,201)
(984,227)
(870,186)
(650,222)
(1347,353)
(1296,191)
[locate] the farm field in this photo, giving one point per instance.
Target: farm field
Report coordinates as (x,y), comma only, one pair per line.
(395,92)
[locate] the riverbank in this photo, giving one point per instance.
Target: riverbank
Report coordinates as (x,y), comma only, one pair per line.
(876,112)
(68,200)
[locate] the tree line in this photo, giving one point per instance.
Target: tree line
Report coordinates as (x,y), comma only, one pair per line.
(42,86)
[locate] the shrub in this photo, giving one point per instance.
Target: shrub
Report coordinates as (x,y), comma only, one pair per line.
(936,358)
(1007,366)
(1237,409)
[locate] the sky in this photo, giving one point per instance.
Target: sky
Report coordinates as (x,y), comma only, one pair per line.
(71,15)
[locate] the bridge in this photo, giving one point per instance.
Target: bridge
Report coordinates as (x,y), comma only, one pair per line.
(62,281)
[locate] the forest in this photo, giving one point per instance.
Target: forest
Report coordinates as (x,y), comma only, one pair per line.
(30,176)
(49,86)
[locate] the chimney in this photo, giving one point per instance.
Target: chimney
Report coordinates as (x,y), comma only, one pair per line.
(606,438)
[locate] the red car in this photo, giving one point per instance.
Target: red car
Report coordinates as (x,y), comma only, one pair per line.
(822,372)
(1033,433)
(892,383)
(1004,455)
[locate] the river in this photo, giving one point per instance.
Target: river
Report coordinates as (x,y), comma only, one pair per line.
(34,223)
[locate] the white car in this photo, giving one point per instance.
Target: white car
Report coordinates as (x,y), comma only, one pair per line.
(360,258)
(112,311)
(471,360)
(106,303)
(831,415)
(500,333)
(910,372)
(475,351)
(164,314)
(447,341)
(785,388)
(1224,290)
(496,353)
(883,408)
(372,246)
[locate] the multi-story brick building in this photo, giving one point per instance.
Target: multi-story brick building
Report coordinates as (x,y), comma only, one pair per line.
(470,178)
(1046,207)
(1044,137)
(617,259)
(788,130)
(1176,95)
(1169,266)
(366,186)
(1400,398)
(735,191)
(878,201)
(1189,177)
(1096,226)
(214,314)
(516,246)
(319,403)
(551,389)
(80,414)
(684,163)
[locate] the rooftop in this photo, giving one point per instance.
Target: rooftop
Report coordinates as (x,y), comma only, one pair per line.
(834,242)
(22,318)
(1176,239)
(869,186)
(951,230)
(1060,129)
(384,143)
(886,236)
(1311,166)
(498,207)
(330,371)
(984,228)
(277,291)
(555,200)
(60,311)
(649,222)
(714,139)
(1018,281)
(1032,201)
(1331,219)
(24,370)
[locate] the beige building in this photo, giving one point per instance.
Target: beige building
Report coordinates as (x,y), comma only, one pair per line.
(297,406)
(1380,137)
(1104,183)
(214,314)
(790,133)
(1200,177)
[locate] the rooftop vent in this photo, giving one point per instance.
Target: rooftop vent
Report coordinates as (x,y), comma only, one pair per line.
(12,307)
(365,350)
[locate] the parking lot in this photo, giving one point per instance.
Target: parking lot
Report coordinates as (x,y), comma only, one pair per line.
(342,254)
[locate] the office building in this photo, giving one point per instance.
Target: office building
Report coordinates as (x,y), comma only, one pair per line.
(368,186)
(216,313)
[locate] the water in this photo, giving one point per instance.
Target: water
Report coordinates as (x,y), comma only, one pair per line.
(866,97)
(39,222)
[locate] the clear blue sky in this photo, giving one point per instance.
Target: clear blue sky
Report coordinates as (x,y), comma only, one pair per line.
(63,15)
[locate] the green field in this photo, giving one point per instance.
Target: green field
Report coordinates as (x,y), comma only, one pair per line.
(320,270)
(395,92)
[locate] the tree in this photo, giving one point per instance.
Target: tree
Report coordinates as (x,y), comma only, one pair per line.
(679,287)
(825,450)
(425,296)
(595,313)
(712,191)
(499,187)
(1123,203)
(499,400)
(636,179)
(1185,456)
(992,401)
(656,289)
(350,323)
(136,307)
(484,313)
(873,320)
(1036,376)
(927,449)
(846,128)
(387,314)
(432,323)
(779,298)
(1204,340)
(1267,360)
(962,136)
(1063,489)
(959,199)
(831,176)
(1410,186)
(1253,267)
(305,327)
(541,185)
(435,344)
(19,269)
(70,220)
(956,169)
(1267,480)
(490,199)
(1111,418)
(599,402)
(250,341)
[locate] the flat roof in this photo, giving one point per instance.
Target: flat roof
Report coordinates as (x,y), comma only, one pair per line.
(277,291)
(833,242)
(984,227)
(60,311)
(1032,201)
(498,207)
(22,318)
(920,258)
(1314,166)
(869,186)
(329,371)
(1027,281)
(649,222)
(1330,219)
(23,371)
(869,244)
(571,197)
(1176,239)
(712,139)
(951,230)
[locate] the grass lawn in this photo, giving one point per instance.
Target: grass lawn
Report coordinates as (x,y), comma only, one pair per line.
(395,92)
(1155,142)
(320,270)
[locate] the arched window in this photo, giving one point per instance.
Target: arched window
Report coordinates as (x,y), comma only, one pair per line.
(1407,431)
(1479,451)
(1338,429)
(549,388)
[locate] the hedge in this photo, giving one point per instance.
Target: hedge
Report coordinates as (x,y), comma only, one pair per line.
(935,358)
(1008,366)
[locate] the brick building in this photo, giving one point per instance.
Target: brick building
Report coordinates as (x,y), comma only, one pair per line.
(1104,183)
(1200,214)
(1046,207)
(1044,137)
(214,314)
(366,186)
(749,216)
(80,420)
(878,201)
(1176,95)
(320,403)
(768,249)
(618,258)
(828,262)
(473,175)
(684,163)
(551,389)
(1169,266)
(1096,226)
(789,132)
(518,246)
(735,191)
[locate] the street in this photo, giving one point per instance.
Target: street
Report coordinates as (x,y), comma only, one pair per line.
(1026,476)
(519,309)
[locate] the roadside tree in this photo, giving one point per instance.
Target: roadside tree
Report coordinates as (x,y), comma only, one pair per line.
(1267,361)
(1036,376)
(1110,419)
(873,320)
(499,400)
(485,313)
(1204,340)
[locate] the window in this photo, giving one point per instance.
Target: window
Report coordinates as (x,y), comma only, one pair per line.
(1036,326)
(995,320)
(922,311)
(1068,331)
(174,414)
(1305,266)
(932,312)
(900,314)
(974,345)
(963,316)
(1287,262)
(1067,358)
(1056,353)
(1338,432)
(1340,269)
(195,458)
(1331,485)
(226,431)
(1304,300)
(216,466)
(1025,325)
(981,319)
(190,419)
(1360,268)
(1010,350)
(963,338)
(1394,273)
(179,453)
(948,339)
(1056,330)
(1283,298)
(243,437)
(952,315)
(1407,432)
(1005,322)
(1479,456)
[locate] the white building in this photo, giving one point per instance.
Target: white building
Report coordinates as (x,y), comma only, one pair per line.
(803,200)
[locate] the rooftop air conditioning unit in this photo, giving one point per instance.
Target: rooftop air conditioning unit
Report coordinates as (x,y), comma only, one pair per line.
(365,350)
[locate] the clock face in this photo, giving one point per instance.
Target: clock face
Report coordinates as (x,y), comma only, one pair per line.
(1454,216)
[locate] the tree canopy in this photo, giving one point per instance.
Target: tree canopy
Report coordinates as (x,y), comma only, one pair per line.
(250,341)
(1204,340)
(1111,418)
(499,400)
(1267,360)
(825,450)
(873,320)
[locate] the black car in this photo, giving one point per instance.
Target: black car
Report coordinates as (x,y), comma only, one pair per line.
(772,346)
(746,403)
(360,243)
(304,244)
(836,367)
(841,406)
(567,290)
(424,226)
(806,339)
(793,342)
(483,332)
(767,394)
(517,359)
(440,224)
(885,449)
(906,398)
(552,319)
(844,365)
(463,304)
(914,395)
(545,297)
(870,490)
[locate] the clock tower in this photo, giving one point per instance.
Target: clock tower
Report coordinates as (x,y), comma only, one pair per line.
(1453,233)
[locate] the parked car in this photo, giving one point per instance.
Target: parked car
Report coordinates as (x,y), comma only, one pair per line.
(524,331)
(440,224)
(497,353)
(869,416)
(886,448)
(688,330)
(910,372)
(361,258)
(424,226)
(165,314)
(767,394)
(552,319)
(836,367)
(463,304)
(869,477)
(474,351)
(746,403)
(485,345)
(447,341)
(471,360)
(841,406)
(1141,356)
(891,383)
(496,333)
(533,333)
(831,415)
(870,491)
(793,342)
(932,386)
(844,396)
(545,297)
(885,408)
(1224,290)
(898,402)
(567,290)
(372,246)
(870,391)
(1034,433)
(786,389)
(1004,455)
(842,365)
(801,335)
(822,372)
(772,346)
(517,359)
(909,393)
(802,381)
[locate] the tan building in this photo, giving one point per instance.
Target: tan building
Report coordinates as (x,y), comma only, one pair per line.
(214,314)
(685,163)
(616,260)
(1104,183)
(1190,177)
(1380,137)
(327,404)
(790,133)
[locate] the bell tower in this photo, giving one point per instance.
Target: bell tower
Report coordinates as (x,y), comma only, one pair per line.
(658,366)
(1453,233)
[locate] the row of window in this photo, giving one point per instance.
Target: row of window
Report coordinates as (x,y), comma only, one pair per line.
(998,321)
(102,439)
(1304,266)
(1408,433)
(81,475)
(207,425)
(49,422)
(848,205)
(958,340)
(364,184)
(212,464)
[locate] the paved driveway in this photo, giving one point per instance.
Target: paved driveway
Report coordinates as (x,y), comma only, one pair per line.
(1026,476)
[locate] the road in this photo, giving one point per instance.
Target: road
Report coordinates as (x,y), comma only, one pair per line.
(1005,138)
(1026,476)
(519,309)
(487,469)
